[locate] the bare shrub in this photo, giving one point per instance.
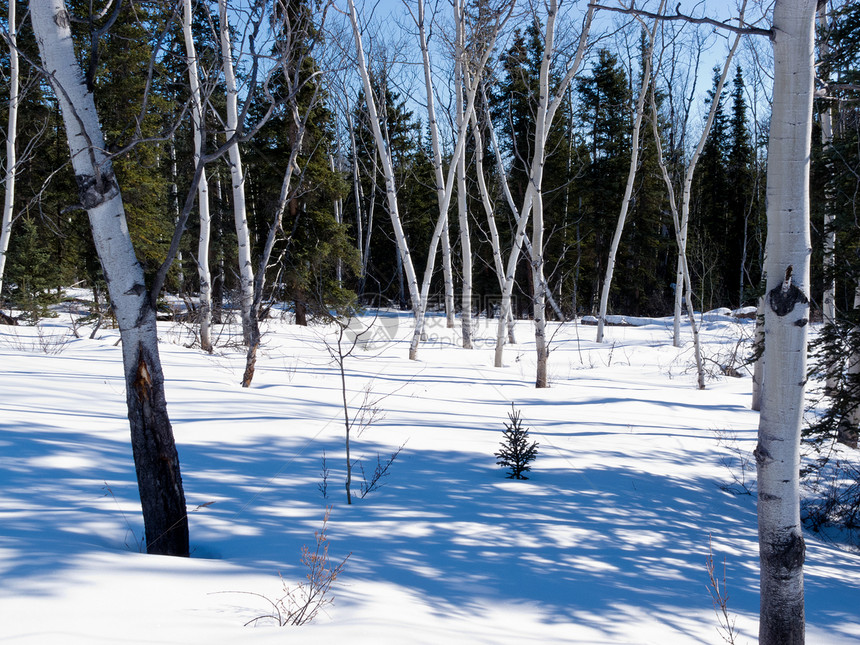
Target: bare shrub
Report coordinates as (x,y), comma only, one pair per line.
(301,603)
(720,597)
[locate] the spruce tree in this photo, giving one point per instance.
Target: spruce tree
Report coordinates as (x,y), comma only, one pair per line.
(605,114)
(515,451)
(740,275)
(709,223)
(836,180)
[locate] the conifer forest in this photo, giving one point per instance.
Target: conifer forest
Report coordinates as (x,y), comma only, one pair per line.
(540,171)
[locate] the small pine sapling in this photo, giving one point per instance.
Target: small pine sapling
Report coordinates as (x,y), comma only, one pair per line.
(515,450)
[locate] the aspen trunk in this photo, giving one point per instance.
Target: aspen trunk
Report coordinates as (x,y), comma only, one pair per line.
(545,115)
(155,456)
(683,284)
(203,272)
(462,198)
(786,314)
(631,178)
(11,135)
(387,167)
(448,277)
(250,331)
(444,186)
(489,211)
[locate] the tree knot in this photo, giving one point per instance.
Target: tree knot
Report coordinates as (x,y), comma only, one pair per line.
(783,298)
(62,19)
(95,190)
(786,554)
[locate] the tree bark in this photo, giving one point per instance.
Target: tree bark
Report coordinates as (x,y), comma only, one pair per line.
(11,135)
(490,212)
(683,284)
(631,178)
(205,276)
(547,108)
(155,456)
(387,168)
(445,189)
(786,316)
(250,331)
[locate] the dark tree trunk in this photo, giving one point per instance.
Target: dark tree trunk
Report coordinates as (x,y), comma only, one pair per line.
(156,460)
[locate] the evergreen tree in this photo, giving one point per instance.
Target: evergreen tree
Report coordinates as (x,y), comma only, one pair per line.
(836,182)
(646,258)
(740,275)
(315,251)
(513,108)
(516,452)
(709,227)
(604,112)
(413,170)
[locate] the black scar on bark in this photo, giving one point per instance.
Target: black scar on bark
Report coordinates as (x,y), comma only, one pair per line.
(786,555)
(783,298)
(93,192)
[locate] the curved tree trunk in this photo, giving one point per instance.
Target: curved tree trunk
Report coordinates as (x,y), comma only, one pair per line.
(631,178)
(387,167)
(448,277)
(491,218)
(547,107)
(155,457)
(683,285)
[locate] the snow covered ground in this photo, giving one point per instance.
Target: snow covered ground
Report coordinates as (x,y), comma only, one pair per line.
(605,543)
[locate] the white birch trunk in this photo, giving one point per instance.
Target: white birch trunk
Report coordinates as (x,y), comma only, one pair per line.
(156,460)
(387,166)
(683,284)
(631,178)
(462,198)
(781,543)
(490,213)
(679,282)
(448,277)
(237,180)
(356,194)
(441,189)
(338,218)
(445,188)
(276,225)
(203,272)
(545,115)
(11,135)
(542,128)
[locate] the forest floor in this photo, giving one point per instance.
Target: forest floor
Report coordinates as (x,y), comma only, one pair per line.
(638,474)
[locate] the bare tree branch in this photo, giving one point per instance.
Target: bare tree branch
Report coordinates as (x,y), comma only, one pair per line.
(632,10)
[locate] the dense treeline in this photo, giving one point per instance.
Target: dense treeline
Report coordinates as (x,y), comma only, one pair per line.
(335,244)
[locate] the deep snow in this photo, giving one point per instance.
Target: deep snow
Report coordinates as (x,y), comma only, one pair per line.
(605,543)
